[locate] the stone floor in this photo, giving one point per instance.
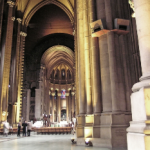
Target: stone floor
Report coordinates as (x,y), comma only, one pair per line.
(42,142)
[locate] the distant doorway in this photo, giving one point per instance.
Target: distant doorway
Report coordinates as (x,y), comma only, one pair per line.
(63,115)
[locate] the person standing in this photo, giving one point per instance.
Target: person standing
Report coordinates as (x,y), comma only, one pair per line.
(19,128)
(6,128)
(29,127)
(24,128)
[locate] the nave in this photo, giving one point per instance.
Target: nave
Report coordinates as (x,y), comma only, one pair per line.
(42,142)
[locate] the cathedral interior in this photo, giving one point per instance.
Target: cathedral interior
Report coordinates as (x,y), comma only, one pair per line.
(83,59)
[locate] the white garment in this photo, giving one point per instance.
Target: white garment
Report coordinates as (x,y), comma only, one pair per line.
(29,127)
(6,127)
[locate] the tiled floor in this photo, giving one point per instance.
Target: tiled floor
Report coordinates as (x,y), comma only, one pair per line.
(41,142)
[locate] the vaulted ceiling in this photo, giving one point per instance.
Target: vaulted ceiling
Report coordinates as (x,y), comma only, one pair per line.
(27,6)
(44,19)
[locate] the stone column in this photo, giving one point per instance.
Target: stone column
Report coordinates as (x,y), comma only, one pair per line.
(127,75)
(104,63)
(76,61)
(6,47)
(28,104)
(53,103)
(113,72)
(59,107)
(73,104)
(15,64)
(1,17)
(105,74)
(87,58)
(100,4)
(20,74)
(142,12)
(97,104)
(47,96)
(14,114)
(138,136)
(49,103)
(108,12)
(81,61)
(67,107)
(38,103)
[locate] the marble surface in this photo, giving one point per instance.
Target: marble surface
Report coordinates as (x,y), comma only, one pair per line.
(42,142)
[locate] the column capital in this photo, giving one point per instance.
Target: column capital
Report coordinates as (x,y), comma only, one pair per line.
(131,3)
(19,20)
(43,67)
(13,18)
(53,94)
(23,34)
(4,113)
(10,3)
(59,94)
(15,103)
(67,94)
(73,93)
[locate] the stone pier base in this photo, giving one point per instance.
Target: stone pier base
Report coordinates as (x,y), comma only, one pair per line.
(107,130)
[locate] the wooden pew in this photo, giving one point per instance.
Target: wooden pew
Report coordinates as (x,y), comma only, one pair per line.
(53,130)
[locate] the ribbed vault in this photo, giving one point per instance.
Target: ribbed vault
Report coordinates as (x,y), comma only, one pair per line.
(56,57)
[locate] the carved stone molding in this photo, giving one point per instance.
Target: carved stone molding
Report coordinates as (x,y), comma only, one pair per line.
(23,34)
(11,3)
(53,94)
(67,94)
(13,18)
(59,94)
(132,6)
(4,113)
(19,20)
(15,103)
(73,93)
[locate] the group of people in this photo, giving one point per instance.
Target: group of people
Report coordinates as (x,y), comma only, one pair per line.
(27,126)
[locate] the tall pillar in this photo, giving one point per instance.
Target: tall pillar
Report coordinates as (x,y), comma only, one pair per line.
(140,100)
(47,101)
(73,104)
(104,63)
(53,103)
(1,16)
(142,13)
(15,67)
(97,104)
(67,107)
(6,47)
(14,114)
(38,103)
(87,58)
(127,75)
(76,60)
(113,72)
(49,104)
(28,104)
(105,74)
(81,61)
(20,74)
(59,107)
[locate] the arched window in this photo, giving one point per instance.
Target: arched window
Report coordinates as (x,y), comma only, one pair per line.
(63,74)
